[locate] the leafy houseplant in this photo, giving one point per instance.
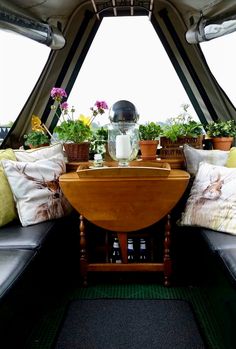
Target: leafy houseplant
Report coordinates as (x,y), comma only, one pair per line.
(36,139)
(221,133)
(221,129)
(75,131)
(178,131)
(99,141)
(149,131)
(148,134)
(182,126)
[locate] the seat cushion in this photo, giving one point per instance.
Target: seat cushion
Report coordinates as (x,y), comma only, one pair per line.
(15,236)
(218,240)
(228,257)
(12,264)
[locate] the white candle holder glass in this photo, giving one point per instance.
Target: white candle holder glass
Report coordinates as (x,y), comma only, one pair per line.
(123,142)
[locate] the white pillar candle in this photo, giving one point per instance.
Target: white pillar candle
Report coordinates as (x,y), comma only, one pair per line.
(123,147)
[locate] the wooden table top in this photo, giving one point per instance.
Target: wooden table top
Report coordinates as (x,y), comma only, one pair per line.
(124,200)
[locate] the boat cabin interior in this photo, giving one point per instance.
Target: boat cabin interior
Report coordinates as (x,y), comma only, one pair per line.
(112,248)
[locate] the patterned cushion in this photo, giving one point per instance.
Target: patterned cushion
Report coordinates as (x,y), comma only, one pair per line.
(7,205)
(194,156)
(55,150)
(231,160)
(36,190)
(212,200)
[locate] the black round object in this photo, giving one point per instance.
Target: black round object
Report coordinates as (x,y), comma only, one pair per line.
(123,111)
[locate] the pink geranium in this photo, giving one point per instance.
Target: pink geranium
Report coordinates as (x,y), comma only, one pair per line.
(58,93)
(64,106)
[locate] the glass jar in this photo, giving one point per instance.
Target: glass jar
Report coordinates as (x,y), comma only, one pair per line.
(98,160)
(123,142)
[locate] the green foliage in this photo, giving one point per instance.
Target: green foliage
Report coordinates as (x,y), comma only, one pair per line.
(99,141)
(73,130)
(36,138)
(221,129)
(182,126)
(149,131)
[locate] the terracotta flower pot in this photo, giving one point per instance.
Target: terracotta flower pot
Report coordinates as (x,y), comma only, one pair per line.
(148,149)
(222,143)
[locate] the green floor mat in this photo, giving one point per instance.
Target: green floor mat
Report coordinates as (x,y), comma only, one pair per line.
(44,334)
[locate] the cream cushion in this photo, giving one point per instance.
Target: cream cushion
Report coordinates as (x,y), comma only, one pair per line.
(212,200)
(36,190)
(231,160)
(193,157)
(7,205)
(55,150)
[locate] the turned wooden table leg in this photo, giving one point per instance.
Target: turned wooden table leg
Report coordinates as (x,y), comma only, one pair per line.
(167,258)
(123,246)
(83,253)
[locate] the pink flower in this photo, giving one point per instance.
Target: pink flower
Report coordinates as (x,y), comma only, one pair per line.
(64,106)
(101,105)
(57,93)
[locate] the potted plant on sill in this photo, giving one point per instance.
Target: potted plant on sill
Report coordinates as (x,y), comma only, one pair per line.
(38,137)
(148,134)
(178,131)
(99,141)
(75,133)
(221,133)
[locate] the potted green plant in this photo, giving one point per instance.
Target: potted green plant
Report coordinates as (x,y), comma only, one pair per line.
(148,134)
(99,141)
(36,139)
(221,133)
(75,133)
(178,131)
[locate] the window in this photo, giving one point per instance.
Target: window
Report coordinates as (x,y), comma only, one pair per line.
(222,66)
(21,63)
(127,61)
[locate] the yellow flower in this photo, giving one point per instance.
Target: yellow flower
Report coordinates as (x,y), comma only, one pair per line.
(84,119)
(36,124)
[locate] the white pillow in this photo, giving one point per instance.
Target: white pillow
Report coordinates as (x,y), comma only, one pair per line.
(55,150)
(212,200)
(36,190)
(194,156)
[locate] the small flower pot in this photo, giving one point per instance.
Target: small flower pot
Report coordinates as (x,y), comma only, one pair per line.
(148,149)
(222,143)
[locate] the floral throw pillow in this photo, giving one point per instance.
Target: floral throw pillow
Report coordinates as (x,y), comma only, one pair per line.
(36,190)
(212,200)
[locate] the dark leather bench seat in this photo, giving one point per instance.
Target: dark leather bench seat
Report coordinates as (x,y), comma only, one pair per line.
(13,263)
(228,258)
(20,245)
(217,240)
(202,241)
(15,236)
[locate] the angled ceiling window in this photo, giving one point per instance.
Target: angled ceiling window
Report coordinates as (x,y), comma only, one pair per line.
(127,61)
(223,65)
(21,63)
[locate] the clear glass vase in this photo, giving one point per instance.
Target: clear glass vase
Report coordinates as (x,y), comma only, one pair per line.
(123,142)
